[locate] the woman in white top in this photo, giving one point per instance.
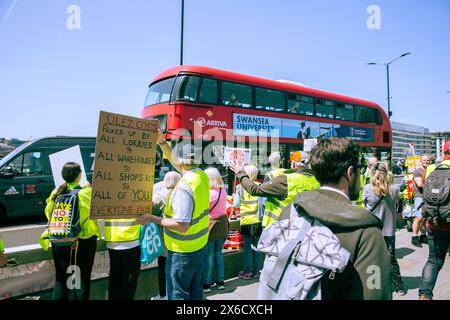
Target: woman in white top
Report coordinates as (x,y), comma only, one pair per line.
(378,197)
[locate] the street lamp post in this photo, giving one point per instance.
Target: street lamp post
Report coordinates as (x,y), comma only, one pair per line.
(182,27)
(387,76)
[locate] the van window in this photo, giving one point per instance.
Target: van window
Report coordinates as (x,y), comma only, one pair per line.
(32,164)
(27,164)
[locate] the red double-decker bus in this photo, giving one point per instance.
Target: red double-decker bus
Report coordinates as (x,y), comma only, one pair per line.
(241,107)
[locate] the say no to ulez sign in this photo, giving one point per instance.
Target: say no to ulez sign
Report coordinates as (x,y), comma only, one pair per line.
(124,166)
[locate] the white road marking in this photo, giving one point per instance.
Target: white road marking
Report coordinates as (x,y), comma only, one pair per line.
(22,248)
(36,226)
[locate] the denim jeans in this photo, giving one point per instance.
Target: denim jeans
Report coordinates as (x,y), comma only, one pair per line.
(252,259)
(438,243)
(184,275)
(213,257)
(396,276)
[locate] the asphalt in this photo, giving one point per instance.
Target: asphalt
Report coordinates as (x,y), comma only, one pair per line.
(410,258)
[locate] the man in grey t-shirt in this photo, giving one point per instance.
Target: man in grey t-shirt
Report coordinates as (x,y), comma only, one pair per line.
(418,202)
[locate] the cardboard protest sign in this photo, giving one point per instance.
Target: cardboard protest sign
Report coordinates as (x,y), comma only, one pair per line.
(124,166)
(59,159)
(412,163)
(237,155)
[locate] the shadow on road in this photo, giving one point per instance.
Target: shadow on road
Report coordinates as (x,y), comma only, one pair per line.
(412,282)
(231,286)
(400,253)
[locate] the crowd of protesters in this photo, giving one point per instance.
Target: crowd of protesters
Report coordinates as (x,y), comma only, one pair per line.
(356,199)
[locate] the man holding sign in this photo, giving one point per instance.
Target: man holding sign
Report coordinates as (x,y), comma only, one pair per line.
(185,223)
(123,178)
(281,190)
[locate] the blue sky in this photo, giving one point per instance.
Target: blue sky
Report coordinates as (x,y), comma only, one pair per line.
(54,81)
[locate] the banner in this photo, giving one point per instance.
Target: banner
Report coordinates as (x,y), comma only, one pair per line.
(250,125)
(124,166)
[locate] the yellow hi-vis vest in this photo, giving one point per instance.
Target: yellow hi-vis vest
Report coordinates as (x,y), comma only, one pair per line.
(248,208)
(275,173)
(121,230)
(362,183)
(196,237)
(295,183)
(2,246)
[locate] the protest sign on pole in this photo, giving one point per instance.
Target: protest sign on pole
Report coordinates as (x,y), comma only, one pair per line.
(59,159)
(308,144)
(412,163)
(124,166)
(239,156)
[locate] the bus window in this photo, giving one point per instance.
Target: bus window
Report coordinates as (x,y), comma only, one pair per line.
(236,95)
(293,103)
(159,92)
(187,89)
(365,115)
(300,105)
(324,109)
(271,100)
(208,91)
(306,106)
(344,112)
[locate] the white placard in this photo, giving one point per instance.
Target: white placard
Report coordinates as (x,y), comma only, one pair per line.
(308,144)
(58,159)
(240,155)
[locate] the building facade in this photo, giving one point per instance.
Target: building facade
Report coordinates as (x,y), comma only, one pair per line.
(405,134)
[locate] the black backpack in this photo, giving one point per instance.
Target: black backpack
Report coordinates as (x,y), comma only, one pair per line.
(436,195)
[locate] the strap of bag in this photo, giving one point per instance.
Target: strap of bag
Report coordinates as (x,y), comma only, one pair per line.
(218,198)
(379,201)
(283,260)
(76,190)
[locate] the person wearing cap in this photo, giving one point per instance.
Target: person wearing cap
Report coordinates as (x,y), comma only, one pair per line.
(281,190)
(438,242)
(418,176)
(185,223)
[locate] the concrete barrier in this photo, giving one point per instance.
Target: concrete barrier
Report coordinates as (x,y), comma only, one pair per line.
(35,274)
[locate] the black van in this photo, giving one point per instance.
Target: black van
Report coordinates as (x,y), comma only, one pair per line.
(26,178)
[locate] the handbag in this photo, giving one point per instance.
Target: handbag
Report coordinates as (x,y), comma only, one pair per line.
(151,243)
